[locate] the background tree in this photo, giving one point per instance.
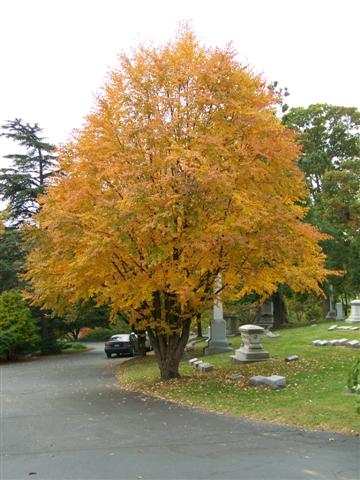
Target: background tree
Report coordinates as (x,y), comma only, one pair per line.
(11,259)
(330,159)
(25,179)
(84,315)
(182,172)
(20,185)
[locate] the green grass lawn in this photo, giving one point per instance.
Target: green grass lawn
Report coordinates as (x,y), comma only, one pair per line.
(314,398)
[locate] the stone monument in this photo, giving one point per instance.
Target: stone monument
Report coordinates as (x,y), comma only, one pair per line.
(339,311)
(232,323)
(266,315)
(355,312)
(251,350)
(331,315)
(217,342)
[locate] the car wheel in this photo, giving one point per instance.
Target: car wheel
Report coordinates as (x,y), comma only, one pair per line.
(108,355)
(132,352)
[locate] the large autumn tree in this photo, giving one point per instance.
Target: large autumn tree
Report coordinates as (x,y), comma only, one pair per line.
(181,172)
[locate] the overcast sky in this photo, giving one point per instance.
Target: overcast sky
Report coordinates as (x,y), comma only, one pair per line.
(55,53)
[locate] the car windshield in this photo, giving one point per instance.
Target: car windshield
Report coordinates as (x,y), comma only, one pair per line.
(122,338)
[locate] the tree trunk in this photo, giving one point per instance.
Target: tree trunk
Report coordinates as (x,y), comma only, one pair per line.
(280,310)
(199,326)
(326,306)
(169,350)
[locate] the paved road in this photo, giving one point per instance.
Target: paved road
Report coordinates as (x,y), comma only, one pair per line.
(64,418)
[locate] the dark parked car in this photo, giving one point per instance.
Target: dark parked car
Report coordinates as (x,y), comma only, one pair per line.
(122,344)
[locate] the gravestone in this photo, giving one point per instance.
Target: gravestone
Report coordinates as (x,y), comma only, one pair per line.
(331,315)
(339,311)
(205,367)
(251,350)
(192,361)
(232,324)
(292,358)
(355,312)
(217,342)
(265,318)
(197,363)
(258,380)
(275,381)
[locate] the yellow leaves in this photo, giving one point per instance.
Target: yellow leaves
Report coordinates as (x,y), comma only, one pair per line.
(181,171)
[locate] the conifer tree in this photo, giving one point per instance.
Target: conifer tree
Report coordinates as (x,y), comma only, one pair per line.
(25,179)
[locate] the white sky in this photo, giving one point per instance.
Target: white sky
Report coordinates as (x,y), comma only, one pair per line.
(54,54)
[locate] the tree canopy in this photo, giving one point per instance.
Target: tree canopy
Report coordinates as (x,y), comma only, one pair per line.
(330,159)
(181,172)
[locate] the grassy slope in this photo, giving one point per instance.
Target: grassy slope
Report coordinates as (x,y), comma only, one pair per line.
(314,398)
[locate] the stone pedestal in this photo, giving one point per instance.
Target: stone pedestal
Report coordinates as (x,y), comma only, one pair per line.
(339,311)
(251,350)
(355,312)
(217,342)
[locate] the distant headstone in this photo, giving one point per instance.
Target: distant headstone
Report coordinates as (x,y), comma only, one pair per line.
(339,308)
(232,324)
(355,312)
(332,312)
(333,343)
(292,358)
(353,344)
(320,343)
(217,342)
(265,317)
(342,341)
(189,347)
(333,327)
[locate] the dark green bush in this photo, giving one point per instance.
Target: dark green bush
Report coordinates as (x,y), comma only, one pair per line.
(18,331)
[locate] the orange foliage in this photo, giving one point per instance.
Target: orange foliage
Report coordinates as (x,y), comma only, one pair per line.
(181,171)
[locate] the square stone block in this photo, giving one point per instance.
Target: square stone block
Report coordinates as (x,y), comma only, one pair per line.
(197,363)
(205,367)
(193,360)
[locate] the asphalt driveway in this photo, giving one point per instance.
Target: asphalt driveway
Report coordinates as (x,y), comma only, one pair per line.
(64,417)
